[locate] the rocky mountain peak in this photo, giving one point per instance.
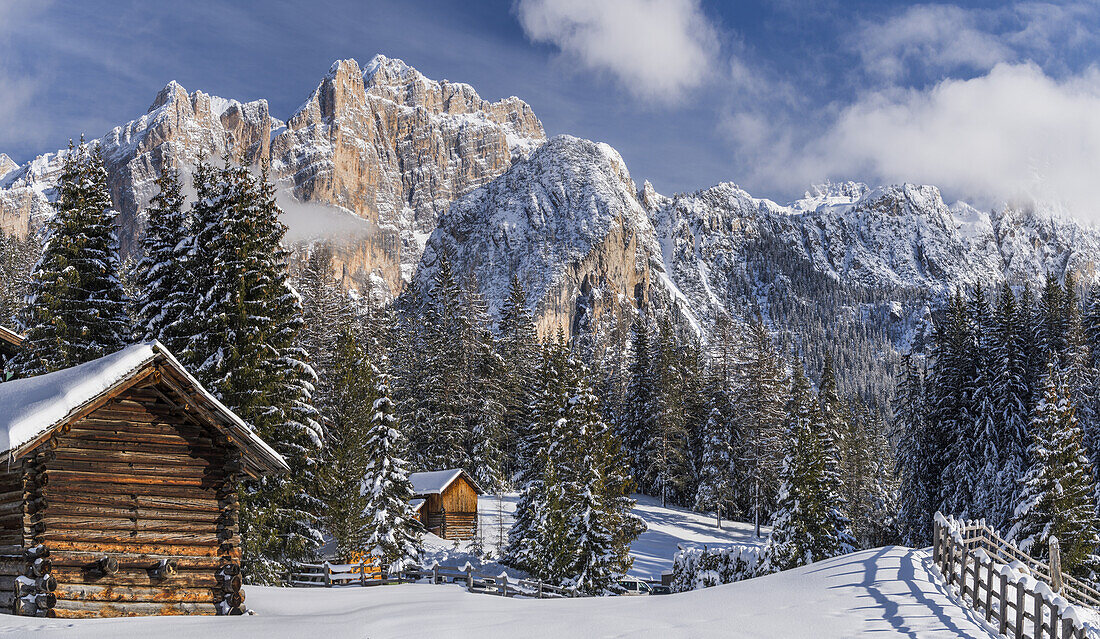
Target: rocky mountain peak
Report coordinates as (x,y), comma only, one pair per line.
(172,91)
(6,164)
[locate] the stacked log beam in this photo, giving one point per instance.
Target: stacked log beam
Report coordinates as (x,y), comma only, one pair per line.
(229,592)
(135,511)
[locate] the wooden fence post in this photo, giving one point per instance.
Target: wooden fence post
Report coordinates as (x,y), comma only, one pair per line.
(1019,611)
(435,574)
(1055,565)
(1038,620)
(469,578)
(989,591)
(503,584)
(362,573)
(328,575)
(1003,625)
(936,543)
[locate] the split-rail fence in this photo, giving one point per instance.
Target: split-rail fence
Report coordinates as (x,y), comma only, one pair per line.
(329,575)
(1022,597)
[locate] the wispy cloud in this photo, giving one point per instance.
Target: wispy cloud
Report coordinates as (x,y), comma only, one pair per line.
(1010,135)
(938,37)
(657,49)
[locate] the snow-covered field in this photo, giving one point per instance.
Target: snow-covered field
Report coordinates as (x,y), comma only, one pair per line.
(882,592)
(653,551)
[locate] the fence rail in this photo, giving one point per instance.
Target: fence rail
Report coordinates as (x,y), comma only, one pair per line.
(329,575)
(974,559)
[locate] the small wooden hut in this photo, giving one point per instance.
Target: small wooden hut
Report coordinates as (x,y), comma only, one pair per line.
(119,495)
(446,502)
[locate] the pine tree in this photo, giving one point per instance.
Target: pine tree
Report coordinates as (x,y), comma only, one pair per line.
(76,310)
(518,351)
(664,458)
(242,345)
(805,528)
(1010,400)
(1058,487)
(162,307)
(918,483)
(348,411)
(761,411)
(393,530)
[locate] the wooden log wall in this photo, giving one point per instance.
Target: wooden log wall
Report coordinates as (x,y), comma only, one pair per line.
(137,504)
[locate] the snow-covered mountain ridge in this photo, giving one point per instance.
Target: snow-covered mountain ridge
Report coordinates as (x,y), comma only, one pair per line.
(385,144)
(585,240)
(394,149)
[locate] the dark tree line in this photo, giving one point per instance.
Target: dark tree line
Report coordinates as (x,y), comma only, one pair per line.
(1001,424)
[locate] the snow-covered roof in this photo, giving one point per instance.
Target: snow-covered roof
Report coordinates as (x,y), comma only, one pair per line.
(436,481)
(10,336)
(32,407)
(417,503)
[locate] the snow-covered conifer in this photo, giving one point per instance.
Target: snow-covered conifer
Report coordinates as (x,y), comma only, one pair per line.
(76,310)
(1058,490)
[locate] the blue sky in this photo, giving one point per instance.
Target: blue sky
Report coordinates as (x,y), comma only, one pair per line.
(992,101)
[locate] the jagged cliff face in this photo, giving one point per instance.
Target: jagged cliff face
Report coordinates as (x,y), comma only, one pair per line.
(395,148)
(391,150)
(178,126)
(567,222)
(384,144)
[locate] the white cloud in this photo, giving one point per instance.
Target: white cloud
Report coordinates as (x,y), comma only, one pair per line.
(1014,133)
(657,49)
(941,37)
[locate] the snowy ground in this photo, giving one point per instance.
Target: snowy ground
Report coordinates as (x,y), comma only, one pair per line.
(653,551)
(887,591)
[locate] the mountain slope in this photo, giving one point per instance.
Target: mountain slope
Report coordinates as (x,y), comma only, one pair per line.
(385,145)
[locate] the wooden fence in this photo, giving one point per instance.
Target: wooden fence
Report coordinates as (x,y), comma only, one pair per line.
(328,575)
(974,559)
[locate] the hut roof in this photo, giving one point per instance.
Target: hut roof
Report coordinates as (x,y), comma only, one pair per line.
(32,408)
(436,481)
(417,504)
(10,336)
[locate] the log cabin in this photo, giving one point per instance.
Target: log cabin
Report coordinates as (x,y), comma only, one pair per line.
(9,344)
(118,496)
(446,502)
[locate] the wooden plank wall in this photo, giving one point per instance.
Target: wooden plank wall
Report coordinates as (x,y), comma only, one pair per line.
(140,511)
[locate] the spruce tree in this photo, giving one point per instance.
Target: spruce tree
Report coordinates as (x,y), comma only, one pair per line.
(664,459)
(441,434)
(349,424)
(806,527)
(242,345)
(640,414)
(761,410)
(1010,400)
(517,347)
(1058,487)
(392,527)
(918,482)
(163,307)
(76,310)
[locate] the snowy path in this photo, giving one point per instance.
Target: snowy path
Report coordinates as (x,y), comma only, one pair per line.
(883,592)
